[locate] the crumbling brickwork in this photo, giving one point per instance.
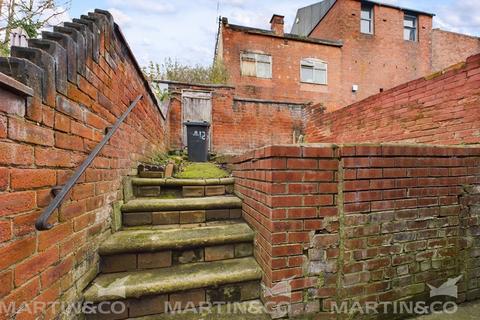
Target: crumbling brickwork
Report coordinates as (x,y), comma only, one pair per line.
(83,78)
(362,223)
(442,108)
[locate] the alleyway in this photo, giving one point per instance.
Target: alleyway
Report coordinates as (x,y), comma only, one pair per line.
(466,311)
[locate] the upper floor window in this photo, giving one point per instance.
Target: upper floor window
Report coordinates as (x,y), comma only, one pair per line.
(256,65)
(313,71)
(366,19)
(410,27)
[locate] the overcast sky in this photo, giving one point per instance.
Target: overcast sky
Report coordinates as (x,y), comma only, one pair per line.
(185,29)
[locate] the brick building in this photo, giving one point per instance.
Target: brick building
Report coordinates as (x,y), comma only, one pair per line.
(338,52)
(81,225)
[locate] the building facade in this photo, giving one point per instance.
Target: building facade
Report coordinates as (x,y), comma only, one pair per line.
(338,52)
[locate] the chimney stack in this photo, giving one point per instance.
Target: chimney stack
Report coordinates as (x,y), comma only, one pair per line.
(277,23)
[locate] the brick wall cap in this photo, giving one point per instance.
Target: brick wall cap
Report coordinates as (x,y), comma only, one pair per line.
(15,86)
(357,149)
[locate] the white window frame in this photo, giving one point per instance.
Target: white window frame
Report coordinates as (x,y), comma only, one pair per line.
(316,65)
(256,56)
(370,20)
(415,26)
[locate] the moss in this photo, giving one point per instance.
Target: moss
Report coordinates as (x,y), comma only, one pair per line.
(177,238)
(177,278)
(205,170)
(161,158)
(169,195)
(153,204)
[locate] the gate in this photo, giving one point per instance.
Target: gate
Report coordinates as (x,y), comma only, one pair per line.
(196,106)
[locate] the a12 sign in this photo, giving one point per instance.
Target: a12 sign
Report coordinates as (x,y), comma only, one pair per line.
(201,134)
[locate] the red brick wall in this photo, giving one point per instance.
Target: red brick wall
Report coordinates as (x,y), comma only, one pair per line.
(362,223)
(373,62)
(449,48)
(286,55)
(43,140)
(239,125)
(442,108)
(382,60)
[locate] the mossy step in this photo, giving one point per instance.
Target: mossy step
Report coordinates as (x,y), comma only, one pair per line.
(248,310)
(171,182)
(132,241)
(137,284)
(182,204)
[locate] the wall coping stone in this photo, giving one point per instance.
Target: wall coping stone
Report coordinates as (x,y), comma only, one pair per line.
(15,86)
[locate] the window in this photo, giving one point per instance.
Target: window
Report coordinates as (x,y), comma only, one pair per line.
(256,65)
(410,27)
(366,19)
(313,71)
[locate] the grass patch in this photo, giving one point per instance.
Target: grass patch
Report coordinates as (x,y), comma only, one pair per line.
(204,170)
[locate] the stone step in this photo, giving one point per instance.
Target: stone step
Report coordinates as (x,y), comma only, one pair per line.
(181,182)
(207,203)
(142,212)
(176,188)
(248,310)
(182,278)
(147,249)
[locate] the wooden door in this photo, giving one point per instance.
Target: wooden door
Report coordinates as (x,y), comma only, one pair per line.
(196,106)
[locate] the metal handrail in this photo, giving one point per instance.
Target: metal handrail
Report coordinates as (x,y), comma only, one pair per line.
(42,221)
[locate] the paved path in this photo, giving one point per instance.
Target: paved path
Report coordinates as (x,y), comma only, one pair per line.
(466,311)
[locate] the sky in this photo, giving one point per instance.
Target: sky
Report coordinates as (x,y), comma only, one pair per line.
(185,30)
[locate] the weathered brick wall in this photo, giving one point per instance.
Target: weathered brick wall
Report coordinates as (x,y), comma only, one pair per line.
(84,77)
(239,125)
(443,108)
(372,62)
(362,223)
(449,48)
(286,55)
(379,61)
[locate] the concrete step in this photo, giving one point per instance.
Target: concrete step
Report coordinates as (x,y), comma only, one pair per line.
(220,202)
(177,279)
(130,250)
(145,211)
(248,310)
(177,188)
(181,182)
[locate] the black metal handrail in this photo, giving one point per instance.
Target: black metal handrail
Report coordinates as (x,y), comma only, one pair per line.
(42,221)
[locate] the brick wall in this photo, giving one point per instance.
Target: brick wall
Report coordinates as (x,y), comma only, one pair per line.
(286,55)
(379,61)
(449,48)
(372,62)
(239,125)
(442,108)
(84,77)
(362,223)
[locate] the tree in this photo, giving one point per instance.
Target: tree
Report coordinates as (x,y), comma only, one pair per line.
(30,15)
(174,71)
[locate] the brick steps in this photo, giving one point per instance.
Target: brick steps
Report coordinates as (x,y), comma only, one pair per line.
(177,253)
(148,249)
(137,284)
(177,188)
(175,212)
